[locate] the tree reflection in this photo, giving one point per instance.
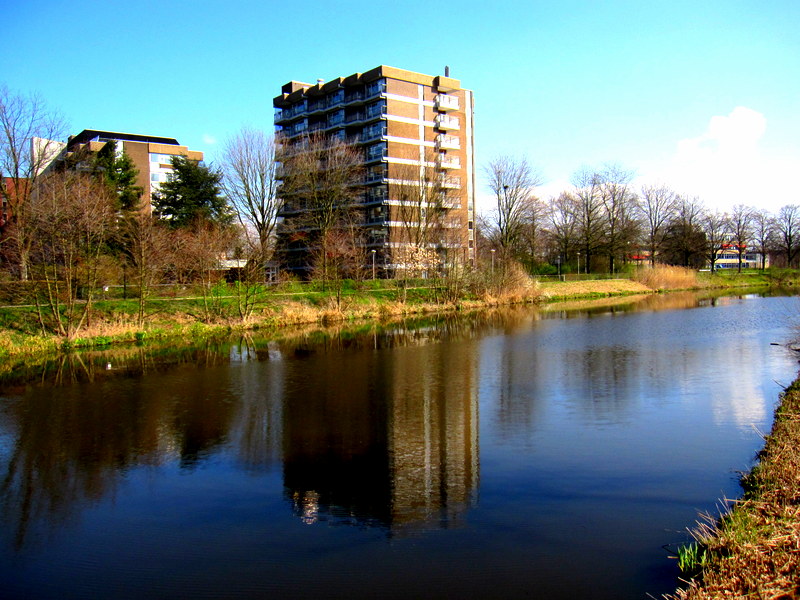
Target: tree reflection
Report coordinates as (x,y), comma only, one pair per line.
(74,440)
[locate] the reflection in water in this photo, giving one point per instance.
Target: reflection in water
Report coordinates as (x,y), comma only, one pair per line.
(360,439)
(584,434)
(73,443)
(391,443)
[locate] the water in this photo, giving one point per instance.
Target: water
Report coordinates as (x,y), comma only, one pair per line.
(517,454)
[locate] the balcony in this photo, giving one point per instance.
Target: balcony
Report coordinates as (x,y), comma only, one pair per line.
(376,153)
(375,89)
(335,121)
(373,133)
(376,195)
(335,99)
(374,176)
(354,118)
(448,142)
(376,110)
(354,97)
(448,162)
(450,183)
(446,123)
(298,109)
(317,105)
(374,219)
(446,103)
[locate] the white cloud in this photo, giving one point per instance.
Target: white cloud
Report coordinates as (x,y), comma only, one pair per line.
(726,164)
(209,140)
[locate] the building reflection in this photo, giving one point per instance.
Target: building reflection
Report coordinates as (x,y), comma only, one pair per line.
(378,429)
(383,439)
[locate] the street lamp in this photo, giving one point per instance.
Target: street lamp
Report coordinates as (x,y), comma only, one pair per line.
(493,251)
(579,264)
(373,263)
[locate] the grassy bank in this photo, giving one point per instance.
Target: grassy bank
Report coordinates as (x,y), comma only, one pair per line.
(754,550)
(190,313)
(192,316)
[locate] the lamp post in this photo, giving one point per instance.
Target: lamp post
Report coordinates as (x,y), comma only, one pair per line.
(493,251)
(373,263)
(579,264)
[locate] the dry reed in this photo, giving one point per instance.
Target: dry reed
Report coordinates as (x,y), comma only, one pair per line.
(663,277)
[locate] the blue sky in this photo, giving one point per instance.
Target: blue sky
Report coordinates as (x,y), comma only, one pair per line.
(702,95)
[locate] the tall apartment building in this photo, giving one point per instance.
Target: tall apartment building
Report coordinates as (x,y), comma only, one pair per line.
(414,133)
(151,155)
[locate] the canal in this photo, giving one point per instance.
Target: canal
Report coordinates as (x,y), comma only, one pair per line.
(517,454)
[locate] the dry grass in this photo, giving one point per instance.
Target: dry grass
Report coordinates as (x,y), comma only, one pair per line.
(663,277)
(754,551)
(604,287)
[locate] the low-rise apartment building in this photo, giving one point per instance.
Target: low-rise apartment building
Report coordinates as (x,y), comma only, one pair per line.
(151,155)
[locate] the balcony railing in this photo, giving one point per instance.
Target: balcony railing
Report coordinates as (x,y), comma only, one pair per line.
(376,153)
(451,183)
(376,195)
(335,121)
(448,142)
(354,97)
(376,110)
(374,89)
(445,102)
(373,219)
(372,135)
(445,122)
(334,99)
(374,176)
(354,118)
(449,162)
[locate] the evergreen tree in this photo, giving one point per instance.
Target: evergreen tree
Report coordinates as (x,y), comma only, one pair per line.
(119,174)
(191,196)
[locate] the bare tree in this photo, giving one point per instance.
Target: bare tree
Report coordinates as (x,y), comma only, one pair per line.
(320,178)
(512,182)
(250,182)
(716,227)
(564,217)
(657,205)
(619,211)
(422,206)
(741,228)
(197,255)
(763,234)
(787,227)
(591,222)
(71,216)
(684,242)
(28,130)
(149,246)
(533,230)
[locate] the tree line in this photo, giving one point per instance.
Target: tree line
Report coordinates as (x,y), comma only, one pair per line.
(603,221)
(84,222)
